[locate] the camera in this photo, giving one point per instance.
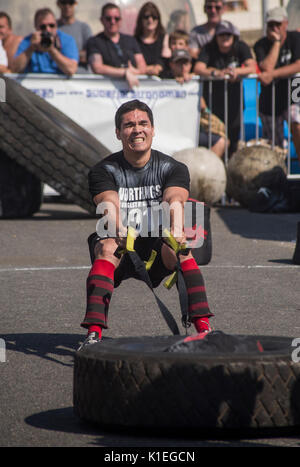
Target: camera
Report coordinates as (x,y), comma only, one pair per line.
(46,39)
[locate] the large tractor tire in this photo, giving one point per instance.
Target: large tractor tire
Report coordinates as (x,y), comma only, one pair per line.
(48,144)
(21,192)
(219,382)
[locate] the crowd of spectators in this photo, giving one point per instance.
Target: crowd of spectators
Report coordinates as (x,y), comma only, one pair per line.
(213,49)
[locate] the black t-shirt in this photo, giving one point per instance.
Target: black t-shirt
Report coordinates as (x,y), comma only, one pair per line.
(114,54)
(289,53)
(212,57)
(152,52)
(138,188)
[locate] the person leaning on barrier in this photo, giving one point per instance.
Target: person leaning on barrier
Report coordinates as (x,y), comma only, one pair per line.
(10,41)
(152,39)
(139,177)
(179,39)
(226,55)
(78,29)
(113,53)
(278,57)
(47,50)
(180,69)
(202,34)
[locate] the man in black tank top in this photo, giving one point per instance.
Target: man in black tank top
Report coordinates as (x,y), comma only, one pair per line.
(126,187)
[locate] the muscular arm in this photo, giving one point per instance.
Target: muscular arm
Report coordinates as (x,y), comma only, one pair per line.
(97,65)
(67,65)
(248,68)
(287,70)
(20,62)
(269,62)
(176,197)
(111,205)
(140,64)
(266,77)
(201,69)
(130,73)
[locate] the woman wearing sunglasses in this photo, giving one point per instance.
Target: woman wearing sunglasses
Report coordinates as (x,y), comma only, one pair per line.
(46,50)
(152,38)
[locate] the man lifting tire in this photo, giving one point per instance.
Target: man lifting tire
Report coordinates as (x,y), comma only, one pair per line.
(139,176)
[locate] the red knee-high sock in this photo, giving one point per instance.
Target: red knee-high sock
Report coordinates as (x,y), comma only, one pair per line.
(199,311)
(100,285)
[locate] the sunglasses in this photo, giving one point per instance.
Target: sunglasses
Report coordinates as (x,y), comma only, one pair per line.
(150,16)
(44,26)
(274,24)
(210,7)
(110,19)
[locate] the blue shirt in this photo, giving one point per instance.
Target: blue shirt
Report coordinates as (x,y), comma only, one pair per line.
(41,62)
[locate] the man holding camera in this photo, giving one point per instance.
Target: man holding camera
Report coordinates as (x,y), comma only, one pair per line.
(47,50)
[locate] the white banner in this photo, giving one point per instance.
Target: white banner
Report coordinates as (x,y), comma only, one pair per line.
(91,101)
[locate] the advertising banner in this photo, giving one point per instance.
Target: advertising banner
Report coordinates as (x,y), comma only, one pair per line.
(91,101)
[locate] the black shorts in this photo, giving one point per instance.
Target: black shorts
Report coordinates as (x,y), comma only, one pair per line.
(143,246)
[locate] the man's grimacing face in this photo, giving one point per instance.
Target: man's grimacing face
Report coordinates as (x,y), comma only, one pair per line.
(136,131)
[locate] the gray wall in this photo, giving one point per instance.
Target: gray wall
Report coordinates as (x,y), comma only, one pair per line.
(22,11)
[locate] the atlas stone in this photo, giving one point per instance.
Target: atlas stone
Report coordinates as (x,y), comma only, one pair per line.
(207,172)
(252,167)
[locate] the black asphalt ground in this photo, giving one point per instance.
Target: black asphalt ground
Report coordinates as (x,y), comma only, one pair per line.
(252,286)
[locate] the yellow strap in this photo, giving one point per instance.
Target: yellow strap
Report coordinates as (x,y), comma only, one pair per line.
(151,260)
(130,239)
(172,242)
(171,280)
(176,247)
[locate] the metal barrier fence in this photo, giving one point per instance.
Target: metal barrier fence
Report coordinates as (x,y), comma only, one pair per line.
(293,94)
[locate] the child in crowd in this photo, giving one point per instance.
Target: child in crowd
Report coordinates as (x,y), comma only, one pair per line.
(180,67)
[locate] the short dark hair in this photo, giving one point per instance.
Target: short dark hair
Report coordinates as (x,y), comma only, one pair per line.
(42,13)
(129,107)
(148,8)
(109,6)
(5,15)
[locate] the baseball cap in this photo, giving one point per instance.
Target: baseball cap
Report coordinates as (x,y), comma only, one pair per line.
(180,54)
(226,27)
(277,14)
(70,2)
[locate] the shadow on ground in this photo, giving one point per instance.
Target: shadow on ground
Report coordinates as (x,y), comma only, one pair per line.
(260,226)
(50,347)
(64,420)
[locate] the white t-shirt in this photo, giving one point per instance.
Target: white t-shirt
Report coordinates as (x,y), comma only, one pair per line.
(3,56)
